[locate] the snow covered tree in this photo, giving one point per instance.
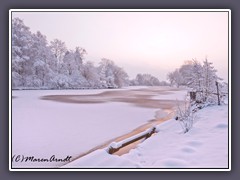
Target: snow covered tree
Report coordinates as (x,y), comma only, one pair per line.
(21,43)
(145,80)
(197,76)
(78,59)
(79,54)
(112,76)
(209,81)
(32,60)
(185,71)
(74,69)
(58,48)
(171,78)
(68,64)
(120,77)
(105,70)
(175,78)
(90,73)
(42,60)
(191,73)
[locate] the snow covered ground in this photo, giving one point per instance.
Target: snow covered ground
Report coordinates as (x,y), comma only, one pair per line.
(204,146)
(42,128)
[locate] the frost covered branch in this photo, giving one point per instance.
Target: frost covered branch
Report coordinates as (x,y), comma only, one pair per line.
(185,116)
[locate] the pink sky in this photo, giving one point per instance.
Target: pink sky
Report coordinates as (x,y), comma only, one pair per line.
(140,42)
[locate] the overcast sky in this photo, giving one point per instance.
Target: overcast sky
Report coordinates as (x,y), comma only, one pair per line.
(140,42)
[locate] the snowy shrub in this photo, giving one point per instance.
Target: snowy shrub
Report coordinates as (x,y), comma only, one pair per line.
(185,116)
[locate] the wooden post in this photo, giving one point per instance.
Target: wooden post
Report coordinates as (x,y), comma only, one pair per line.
(218,93)
(193,96)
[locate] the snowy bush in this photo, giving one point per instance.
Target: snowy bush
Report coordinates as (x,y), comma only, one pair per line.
(185,116)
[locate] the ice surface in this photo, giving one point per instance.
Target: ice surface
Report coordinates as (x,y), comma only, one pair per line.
(44,128)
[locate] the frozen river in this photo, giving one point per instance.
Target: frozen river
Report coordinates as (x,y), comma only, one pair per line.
(71,122)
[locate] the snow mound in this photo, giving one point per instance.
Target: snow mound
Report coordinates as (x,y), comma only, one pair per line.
(100,158)
(172,163)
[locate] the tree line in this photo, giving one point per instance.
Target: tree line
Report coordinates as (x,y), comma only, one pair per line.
(37,64)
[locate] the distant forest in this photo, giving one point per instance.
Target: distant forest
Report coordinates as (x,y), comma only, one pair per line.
(37,64)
